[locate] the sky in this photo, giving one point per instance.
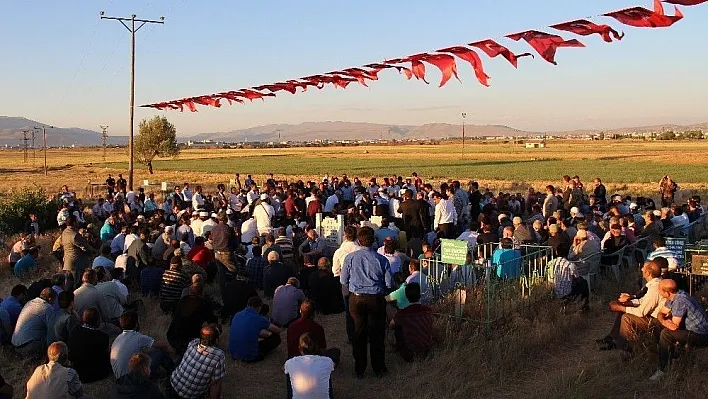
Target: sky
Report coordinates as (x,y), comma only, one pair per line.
(62,65)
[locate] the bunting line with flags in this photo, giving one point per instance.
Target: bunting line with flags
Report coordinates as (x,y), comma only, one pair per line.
(444,59)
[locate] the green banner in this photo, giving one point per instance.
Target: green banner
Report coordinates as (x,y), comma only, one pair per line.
(453,251)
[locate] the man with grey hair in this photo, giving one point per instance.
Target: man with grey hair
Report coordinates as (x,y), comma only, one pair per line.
(55,379)
(34,324)
(275,274)
(286,302)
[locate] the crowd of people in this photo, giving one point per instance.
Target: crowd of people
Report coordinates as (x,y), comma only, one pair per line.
(273,272)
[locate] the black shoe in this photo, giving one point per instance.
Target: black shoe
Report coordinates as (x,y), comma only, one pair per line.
(608,347)
(605,341)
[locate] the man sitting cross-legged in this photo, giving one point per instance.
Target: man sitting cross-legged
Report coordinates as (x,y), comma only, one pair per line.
(634,314)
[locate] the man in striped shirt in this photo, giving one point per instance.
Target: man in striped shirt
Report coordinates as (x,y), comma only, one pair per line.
(173,282)
(660,250)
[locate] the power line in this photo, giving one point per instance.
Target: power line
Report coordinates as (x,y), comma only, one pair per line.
(132,29)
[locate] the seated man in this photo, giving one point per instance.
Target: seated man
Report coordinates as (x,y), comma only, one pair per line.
(32,329)
(237,294)
(306,324)
(190,314)
(567,283)
(105,259)
(28,263)
(151,280)
(173,282)
(325,290)
(309,375)
(65,319)
(55,379)
(88,348)
(507,260)
(137,383)
(252,336)
(684,322)
(286,302)
(275,274)
(660,250)
(202,368)
(13,304)
(130,341)
(634,314)
(413,326)
(255,267)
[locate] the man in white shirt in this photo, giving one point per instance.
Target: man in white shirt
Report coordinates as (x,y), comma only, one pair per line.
(198,224)
(445,215)
(309,375)
(332,201)
(249,230)
(263,213)
(634,312)
(187,193)
(348,246)
(470,235)
(130,341)
(252,194)
(197,198)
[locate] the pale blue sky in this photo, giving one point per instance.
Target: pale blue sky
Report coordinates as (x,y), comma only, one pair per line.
(62,65)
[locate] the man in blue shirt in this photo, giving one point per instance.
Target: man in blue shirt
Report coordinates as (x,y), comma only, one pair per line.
(684,320)
(507,260)
(368,276)
(247,327)
(384,233)
(13,304)
(27,263)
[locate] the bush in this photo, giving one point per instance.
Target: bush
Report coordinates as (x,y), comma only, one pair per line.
(16,206)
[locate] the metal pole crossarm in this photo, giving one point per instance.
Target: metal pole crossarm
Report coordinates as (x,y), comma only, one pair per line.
(132,29)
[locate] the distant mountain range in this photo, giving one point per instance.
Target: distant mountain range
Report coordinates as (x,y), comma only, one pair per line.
(11,132)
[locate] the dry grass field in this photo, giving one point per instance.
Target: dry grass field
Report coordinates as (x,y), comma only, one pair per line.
(625,166)
(547,354)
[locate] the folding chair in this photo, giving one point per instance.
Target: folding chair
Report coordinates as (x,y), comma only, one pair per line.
(615,266)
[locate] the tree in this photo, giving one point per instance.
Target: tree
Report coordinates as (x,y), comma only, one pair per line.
(157,138)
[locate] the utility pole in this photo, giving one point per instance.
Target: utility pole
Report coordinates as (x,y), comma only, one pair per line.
(44,144)
(24,144)
(34,152)
(132,20)
(464,115)
(104,138)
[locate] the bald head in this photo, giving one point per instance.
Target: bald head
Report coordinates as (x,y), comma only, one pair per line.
(273,256)
(651,270)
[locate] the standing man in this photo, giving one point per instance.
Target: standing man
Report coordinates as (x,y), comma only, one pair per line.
(550,203)
(75,250)
(368,276)
(413,216)
(600,192)
(445,216)
(220,238)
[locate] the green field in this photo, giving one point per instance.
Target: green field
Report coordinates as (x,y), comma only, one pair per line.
(521,170)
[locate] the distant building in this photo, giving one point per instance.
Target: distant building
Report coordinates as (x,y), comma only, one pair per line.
(535,144)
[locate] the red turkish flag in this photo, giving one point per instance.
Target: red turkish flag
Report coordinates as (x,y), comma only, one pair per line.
(493,49)
(470,56)
(686,2)
(378,67)
(252,94)
(417,67)
(545,43)
(189,104)
(640,17)
(231,96)
(445,63)
(584,27)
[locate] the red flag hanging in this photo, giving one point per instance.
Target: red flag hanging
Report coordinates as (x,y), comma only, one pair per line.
(291,88)
(545,43)
(378,67)
(493,49)
(357,73)
(640,17)
(417,67)
(445,63)
(470,56)
(584,27)
(189,104)
(686,2)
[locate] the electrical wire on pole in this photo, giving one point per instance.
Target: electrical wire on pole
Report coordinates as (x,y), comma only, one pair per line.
(132,29)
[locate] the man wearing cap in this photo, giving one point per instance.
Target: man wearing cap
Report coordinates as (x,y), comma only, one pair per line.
(264,213)
(198,224)
(208,224)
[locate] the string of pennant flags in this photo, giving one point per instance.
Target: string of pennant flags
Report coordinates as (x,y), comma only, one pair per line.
(414,66)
